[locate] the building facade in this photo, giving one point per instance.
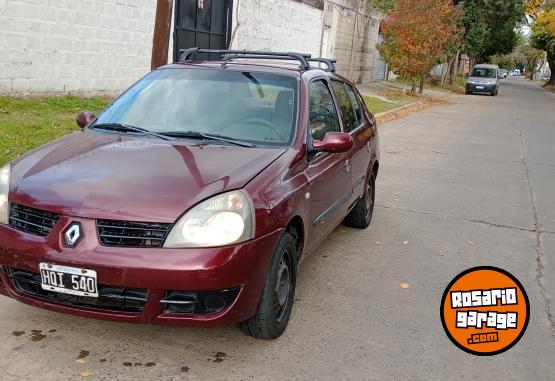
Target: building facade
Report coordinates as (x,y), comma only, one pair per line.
(94,47)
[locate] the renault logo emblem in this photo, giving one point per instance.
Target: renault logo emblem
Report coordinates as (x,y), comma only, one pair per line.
(73,234)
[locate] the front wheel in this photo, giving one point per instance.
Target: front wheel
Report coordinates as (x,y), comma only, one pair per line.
(276,302)
(361,215)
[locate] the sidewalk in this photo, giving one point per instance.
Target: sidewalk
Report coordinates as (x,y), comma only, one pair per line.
(387,101)
(377,89)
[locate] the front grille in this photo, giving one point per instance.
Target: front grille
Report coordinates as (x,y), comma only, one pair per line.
(32,220)
(109,298)
(132,234)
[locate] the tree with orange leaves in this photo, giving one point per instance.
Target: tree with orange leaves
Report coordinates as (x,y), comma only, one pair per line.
(418,34)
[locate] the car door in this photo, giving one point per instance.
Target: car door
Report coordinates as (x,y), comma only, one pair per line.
(329,174)
(356,124)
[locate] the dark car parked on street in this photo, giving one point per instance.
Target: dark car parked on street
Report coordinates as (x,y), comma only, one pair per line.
(192,198)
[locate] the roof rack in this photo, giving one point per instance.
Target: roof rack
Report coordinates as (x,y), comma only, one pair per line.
(330,63)
(228,55)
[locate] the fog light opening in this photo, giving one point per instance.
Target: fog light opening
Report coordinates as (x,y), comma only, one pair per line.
(213,304)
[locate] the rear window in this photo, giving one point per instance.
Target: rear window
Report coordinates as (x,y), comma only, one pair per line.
(256,107)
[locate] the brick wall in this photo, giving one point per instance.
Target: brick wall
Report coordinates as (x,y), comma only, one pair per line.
(64,46)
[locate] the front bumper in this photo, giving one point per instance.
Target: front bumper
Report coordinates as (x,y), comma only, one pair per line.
(475,88)
(158,271)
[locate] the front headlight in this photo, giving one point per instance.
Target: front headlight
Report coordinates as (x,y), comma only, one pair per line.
(221,220)
(4,189)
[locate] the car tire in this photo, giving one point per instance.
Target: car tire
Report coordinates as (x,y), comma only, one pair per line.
(361,215)
(276,301)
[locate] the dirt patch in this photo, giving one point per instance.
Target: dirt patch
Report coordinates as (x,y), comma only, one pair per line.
(36,335)
(18,333)
(83,355)
(219,357)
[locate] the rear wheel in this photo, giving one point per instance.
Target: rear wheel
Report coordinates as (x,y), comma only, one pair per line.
(276,302)
(361,215)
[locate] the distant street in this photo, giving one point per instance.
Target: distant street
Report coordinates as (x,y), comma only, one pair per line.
(468,183)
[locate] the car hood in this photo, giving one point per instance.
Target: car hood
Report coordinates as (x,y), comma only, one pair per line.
(105,175)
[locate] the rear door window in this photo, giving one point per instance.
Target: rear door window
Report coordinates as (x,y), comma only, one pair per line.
(347,109)
(355,101)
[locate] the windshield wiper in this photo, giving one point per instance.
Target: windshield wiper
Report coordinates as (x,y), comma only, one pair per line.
(126,128)
(200,135)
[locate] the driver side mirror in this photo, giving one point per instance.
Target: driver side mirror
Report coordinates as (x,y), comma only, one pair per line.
(84,118)
(334,142)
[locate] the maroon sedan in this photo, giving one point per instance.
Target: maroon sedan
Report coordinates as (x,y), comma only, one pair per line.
(192,198)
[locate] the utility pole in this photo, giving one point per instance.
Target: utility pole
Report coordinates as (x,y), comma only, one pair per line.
(161,38)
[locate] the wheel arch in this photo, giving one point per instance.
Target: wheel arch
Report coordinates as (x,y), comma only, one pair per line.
(296,228)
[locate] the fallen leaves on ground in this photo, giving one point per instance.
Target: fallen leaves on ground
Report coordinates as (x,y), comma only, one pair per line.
(405,242)
(86,373)
(415,107)
(405,285)
(470,242)
(376,242)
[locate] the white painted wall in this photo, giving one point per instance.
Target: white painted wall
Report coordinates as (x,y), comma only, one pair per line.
(63,46)
(103,46)
(277,25)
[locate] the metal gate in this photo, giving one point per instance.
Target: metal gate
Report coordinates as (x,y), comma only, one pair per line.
(201,23)
(380,67)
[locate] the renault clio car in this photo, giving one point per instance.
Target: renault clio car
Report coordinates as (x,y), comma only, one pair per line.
(193,197)
(483,79)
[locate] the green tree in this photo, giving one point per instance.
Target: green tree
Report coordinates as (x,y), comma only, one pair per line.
(543,30)
(383,6)
(491,27)
(543,39)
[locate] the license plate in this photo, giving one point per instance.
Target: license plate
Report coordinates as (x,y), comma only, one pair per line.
(68,280)
(480,87)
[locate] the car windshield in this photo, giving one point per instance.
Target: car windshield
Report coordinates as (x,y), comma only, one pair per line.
(255,107)
(483,72)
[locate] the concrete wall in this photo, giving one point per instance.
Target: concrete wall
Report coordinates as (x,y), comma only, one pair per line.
(102,46)
(65,46)
(341,21)
(278,25)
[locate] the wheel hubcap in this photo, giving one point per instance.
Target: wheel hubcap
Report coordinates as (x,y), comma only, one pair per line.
(369,201)
(283,288)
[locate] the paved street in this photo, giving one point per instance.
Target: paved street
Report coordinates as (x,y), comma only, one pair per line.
(461,184)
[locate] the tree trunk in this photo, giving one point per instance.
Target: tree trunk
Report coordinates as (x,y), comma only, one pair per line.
(445,71)
(454,66)
(421,89)
(413,88)
(551,62)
